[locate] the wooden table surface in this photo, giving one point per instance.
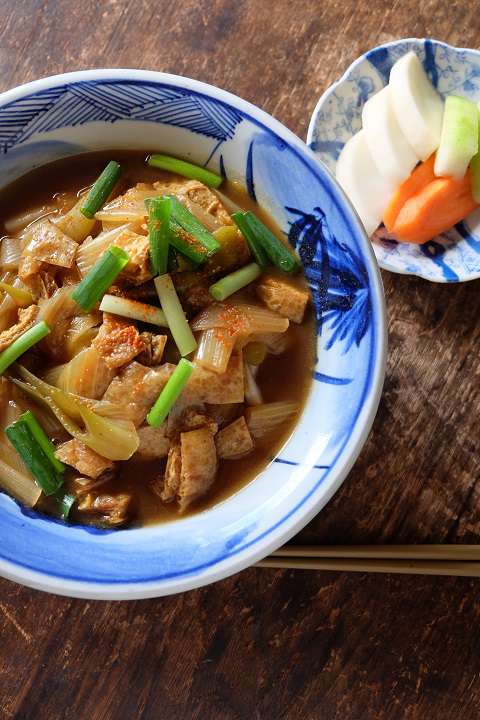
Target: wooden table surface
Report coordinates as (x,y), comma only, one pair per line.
(271,644)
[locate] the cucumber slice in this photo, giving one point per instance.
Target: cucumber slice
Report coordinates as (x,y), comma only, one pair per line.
(368,190)
(459,139)
(418,107)
(393,155)
(475,168)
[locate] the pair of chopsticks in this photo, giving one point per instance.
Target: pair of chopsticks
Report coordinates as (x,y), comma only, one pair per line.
(455,560)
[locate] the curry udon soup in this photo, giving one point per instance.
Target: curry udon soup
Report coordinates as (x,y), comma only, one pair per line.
(156,339)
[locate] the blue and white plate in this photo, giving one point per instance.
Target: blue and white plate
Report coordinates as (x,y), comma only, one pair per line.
(100,109)
(453,256)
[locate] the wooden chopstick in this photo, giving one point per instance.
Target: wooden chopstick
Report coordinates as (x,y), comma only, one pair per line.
(455,560)
(415,567)
(382,552)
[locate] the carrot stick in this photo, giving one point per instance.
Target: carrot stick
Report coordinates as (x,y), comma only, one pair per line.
(434,209)
(420,176)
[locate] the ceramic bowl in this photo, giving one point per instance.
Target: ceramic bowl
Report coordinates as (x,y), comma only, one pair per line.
(81,111)
(453,256)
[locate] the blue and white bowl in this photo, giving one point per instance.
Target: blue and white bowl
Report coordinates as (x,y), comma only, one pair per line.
(453,256)
(66,114)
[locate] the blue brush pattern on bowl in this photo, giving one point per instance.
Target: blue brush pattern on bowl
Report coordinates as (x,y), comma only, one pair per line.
(59,116)
(455,255)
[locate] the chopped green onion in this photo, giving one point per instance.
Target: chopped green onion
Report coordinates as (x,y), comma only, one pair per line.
(65,501)
(133,309)
(159,234)
(176,319)
(254,245)
(22,344)
(165,162)
(277,252)
(179,239)
(46,477)
(101,189)
(235,281)
(97,281)
(170,393)
(193,227)
(21,297)
(42,439)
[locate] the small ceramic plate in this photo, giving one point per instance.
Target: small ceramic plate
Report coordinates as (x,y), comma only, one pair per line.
(453,256)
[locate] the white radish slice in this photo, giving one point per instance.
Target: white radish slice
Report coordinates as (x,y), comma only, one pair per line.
(459,140)
(392,153)
(368,190)
(418,107)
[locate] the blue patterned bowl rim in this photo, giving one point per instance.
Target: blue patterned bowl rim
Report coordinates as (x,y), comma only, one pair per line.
(241,555)
(462,230)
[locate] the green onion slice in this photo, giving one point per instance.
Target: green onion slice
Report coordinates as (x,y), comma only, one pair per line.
(96,283)
(277,252)
(159,210)
(177,322)
(22,344)
(42,439)
(65,501)
(193,227)
(170,393)
(172,164)
(235,281)
(101,189)
(254,245)
(22,439)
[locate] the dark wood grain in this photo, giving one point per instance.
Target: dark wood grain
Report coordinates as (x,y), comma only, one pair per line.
(270,644)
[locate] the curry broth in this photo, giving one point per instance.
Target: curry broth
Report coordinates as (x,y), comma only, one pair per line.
(284,377)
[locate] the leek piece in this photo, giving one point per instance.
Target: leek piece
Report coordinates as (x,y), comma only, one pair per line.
(186,169)
(23,298)
(21,437)
(193,227)
(22,344)
(254,246)
(176,319)
(277,252)
(170,393)
(133,309)
(42,439)
(235,281)
(65,501)
(159,211)
(101,189)
(100,277)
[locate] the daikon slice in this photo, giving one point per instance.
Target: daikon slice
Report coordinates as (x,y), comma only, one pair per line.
(367,189)
(418,107)
(392,153)
(459,139)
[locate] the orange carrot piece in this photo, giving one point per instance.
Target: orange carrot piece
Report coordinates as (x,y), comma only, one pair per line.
(421,176)
(437,207)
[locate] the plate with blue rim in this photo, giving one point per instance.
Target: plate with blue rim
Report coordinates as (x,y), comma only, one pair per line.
(453,256)
(136,109)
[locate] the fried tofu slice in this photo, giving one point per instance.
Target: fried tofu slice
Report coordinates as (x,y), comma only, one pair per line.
(234,440)
(106,510)
(206,386)
(173,471)
(154,347)
(137,246)
(154,443)
(199,465)
(138,386)
(280,295)
(26,319)
(83,459)
(118,341)
(47,243)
